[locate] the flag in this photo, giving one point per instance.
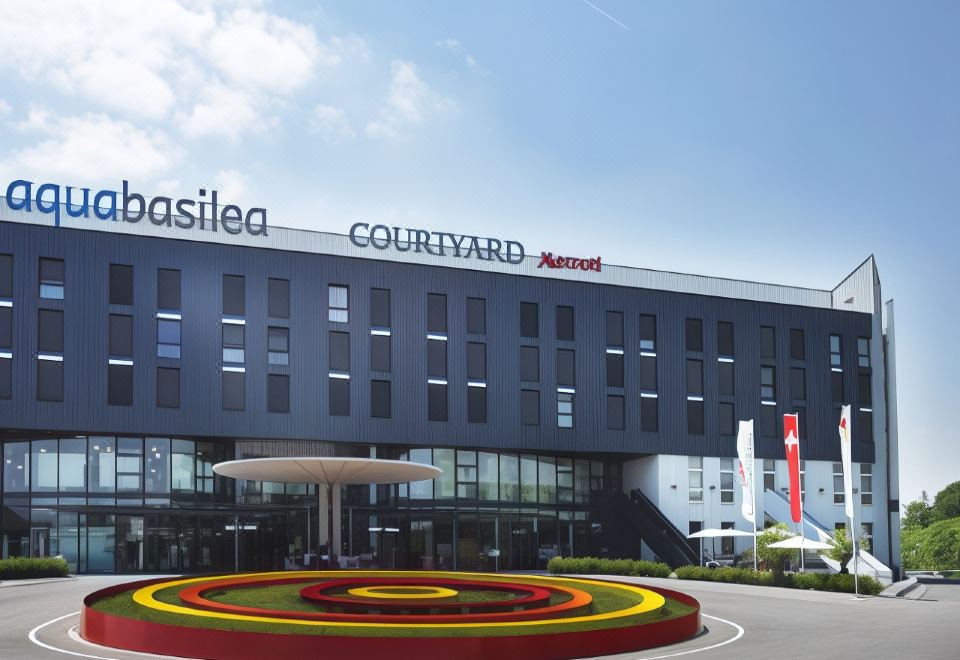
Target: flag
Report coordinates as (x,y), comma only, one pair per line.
(791,442)
(847,465)
(745,452)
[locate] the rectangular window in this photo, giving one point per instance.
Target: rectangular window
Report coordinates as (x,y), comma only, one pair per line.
(530,364)
(694,417)
(278,393)
(476,316)
(768,421)
(838,494)
(798,349)
(615,329)
(168,387)
(380,352)
(614,369)
(121,335)
(101,464)
(565,410)
(49,380)
(725,338)
(694,335)
(530,407)
(566,369)
(234,390)
(836,354)
(768,342)
(338,303)
(726,418)
(726,481)
(121,284)
(863,352)
(339,396)
(476,361)
(436,402)
(436,358)
(649,418)
(865,389)
(120,384)
(168,338)
(768,383)
(648,372)
(234,295)
(798,383)
(380,308)
(866,484)
(864,426)
(564,323)
(695,377)
(477,405)
(380,399)
(50,331)
(436,313)
(6,327)
(233,343)
(6,378)
(615,412)
(6,276)
(278,345)
(769,474)
(466,474)
(529,320)
(509,478)
(725,380)
(168,289)
(278,298)
(695,478)
(866,536)
(51,278)
(836,386)
(648,332)
(338,348)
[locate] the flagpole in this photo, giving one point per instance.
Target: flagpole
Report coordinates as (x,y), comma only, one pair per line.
(753,492)
(856,553)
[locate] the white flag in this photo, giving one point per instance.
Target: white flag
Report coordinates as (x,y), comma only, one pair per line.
(745,452)
(847,465)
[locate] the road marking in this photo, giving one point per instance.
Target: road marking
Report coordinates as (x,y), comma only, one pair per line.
(32,636)
(739,634)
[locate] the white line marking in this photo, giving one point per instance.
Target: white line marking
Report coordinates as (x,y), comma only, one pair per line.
(705,648)
(33,638)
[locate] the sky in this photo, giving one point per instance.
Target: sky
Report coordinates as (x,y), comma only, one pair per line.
(780,142)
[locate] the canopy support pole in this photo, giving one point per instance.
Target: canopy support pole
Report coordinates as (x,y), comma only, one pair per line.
(336,522)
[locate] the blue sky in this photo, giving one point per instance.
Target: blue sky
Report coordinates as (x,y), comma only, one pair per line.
(707,137)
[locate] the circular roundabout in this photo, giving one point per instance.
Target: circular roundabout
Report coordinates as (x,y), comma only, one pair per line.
(399,614)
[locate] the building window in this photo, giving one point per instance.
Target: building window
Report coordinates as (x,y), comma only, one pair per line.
(530,364)
(437,313)
(768,342)
(338,350)
(233,389)
(380,352)
(380,399)
(233,343)
(865,390)
(648,372)
(234,294)
(649,421)
(476,316)
(564,323)
(476,361)
(695,416)
(339,396)
(726,481)
(838,494)
(725,338)
(866,484)
(798,383)
(168,338)
(566,369)
(278,345)
(168,289)
(51,278)
(768,383)
(50,331)
(727,418)
(694,335)
(615,412)
(769,474)
(836,385)
(727,548)
(278,393)
(436,358)
(119,384)
(168,387)
(798,350)
(129,465)
(614,367)
(725,379)
(466,474)
(768,419)
(866,536)
(695,377)
(864,430)
(648,332)
(529,320)
(6,276)
(121,335)
(338,300)
(615,329)
(565,410)
(380,308)
(530,407)
(437,402)
(49,380)
(278,298)
(50,355)
(863,352)
(476,404)
(836,356)
(121,284)
(695,478)
(6,378)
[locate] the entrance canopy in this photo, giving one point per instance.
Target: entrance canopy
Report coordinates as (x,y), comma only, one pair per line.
(327,470)
(714,533)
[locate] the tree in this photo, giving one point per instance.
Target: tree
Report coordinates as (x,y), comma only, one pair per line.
(936,547)
(946,504)
(842,550)
(771,559)
(918,514)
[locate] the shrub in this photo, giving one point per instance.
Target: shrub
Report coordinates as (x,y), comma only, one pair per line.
(598,566)
(818,581)
(20,568)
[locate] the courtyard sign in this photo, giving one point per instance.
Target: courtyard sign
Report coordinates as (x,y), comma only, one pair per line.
(443,244)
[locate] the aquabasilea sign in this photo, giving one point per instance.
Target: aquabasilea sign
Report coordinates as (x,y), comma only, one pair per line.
(444,244)
(69,202)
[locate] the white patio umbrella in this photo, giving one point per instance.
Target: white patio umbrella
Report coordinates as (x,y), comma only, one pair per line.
(801,543)
(713,533)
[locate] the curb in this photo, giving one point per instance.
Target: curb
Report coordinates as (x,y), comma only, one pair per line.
(901,589)
(26,583)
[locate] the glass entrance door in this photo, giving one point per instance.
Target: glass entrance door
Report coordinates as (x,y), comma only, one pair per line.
(129,544)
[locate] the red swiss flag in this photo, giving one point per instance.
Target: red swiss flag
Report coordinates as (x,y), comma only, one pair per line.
(791,442)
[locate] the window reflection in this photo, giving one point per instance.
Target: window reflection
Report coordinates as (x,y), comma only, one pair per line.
(43,465)
(16,467)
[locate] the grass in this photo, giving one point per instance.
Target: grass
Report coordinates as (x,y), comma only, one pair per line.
(286,597)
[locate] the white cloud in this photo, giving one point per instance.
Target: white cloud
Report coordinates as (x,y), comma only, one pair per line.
(408,103)
(457,48)
(330,124)
(224,112)
(231,186)
(4,108)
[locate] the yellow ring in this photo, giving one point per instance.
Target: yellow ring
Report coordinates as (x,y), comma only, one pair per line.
(651,601)
(380,592)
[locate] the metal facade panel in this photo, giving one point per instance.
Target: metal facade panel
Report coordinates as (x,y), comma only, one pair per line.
(88,256)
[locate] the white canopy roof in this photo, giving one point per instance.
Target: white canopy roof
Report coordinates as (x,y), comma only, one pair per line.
(327,470)
(801,542)
(714,533)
